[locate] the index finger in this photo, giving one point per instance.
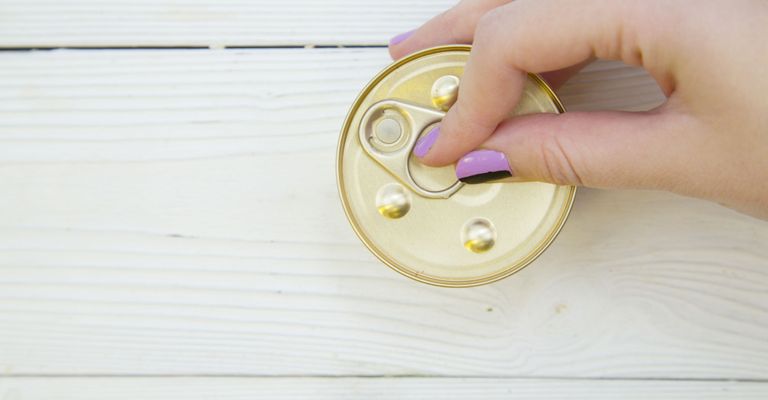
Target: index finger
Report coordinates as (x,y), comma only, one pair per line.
(454,26)
(513,39)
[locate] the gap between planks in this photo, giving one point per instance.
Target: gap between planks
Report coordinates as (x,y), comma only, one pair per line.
(384,377)
(351,388)
(182,47)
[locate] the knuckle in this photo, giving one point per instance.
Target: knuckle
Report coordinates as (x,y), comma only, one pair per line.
(451,15)
(451,18)
(488,24)
(559,167)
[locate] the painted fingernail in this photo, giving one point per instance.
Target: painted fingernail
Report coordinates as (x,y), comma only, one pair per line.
(399,38)
(482,166)
(425,142)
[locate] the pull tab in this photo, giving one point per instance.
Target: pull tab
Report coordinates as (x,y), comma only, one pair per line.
(389,130)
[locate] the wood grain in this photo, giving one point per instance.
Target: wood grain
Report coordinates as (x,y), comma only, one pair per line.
(175,212)
(369,388)
(98,23)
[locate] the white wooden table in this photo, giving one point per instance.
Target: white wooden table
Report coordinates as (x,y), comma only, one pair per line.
(170,228)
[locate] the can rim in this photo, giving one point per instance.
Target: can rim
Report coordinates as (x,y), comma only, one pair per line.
(431,280)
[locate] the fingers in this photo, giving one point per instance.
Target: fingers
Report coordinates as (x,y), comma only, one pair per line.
(600,149)
(454,26)
(512,39)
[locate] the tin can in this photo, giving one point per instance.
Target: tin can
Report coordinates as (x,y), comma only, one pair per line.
(421,221)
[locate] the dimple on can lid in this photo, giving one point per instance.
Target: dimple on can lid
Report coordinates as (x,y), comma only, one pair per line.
(421,221)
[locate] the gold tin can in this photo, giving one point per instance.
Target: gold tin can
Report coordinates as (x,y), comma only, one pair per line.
(421,221)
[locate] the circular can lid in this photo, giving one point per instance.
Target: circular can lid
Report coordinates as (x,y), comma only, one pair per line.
(421,221)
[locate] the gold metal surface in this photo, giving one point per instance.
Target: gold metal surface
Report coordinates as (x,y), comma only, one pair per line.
(413,120)
(429,240)
(478,235)
(393,201)
(445,91)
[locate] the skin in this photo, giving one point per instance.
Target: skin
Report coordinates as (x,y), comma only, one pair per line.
(708,140)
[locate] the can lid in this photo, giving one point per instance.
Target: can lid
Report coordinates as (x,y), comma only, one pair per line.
(421,221)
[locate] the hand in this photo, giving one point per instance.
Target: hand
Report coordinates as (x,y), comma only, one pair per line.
(710,58)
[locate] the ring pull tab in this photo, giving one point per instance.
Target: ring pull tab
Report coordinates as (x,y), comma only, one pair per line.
(389,130)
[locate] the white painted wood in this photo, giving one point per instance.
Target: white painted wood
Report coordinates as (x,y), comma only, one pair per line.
(175,212)
(50,23)
(369,388)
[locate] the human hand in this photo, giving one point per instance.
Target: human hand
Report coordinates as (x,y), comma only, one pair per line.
(710,58)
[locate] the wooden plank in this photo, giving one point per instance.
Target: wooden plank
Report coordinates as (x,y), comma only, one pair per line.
(370,388)
(175,212)
(96,23)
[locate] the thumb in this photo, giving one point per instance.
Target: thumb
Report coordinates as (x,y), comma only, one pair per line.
(596,149)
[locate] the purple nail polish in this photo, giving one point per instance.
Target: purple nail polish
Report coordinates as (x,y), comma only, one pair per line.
(399,38)
(482,166)
(425,142)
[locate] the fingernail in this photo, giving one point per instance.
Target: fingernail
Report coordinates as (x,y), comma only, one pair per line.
(399,38)
(425,142)
(482,166)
